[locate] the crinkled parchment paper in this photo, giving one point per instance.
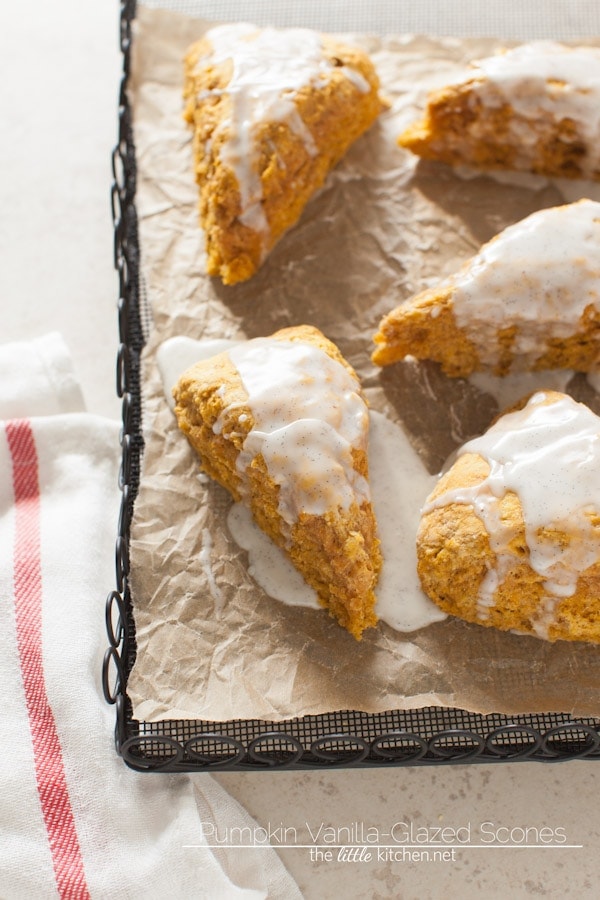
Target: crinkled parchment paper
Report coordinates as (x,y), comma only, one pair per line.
(211,644)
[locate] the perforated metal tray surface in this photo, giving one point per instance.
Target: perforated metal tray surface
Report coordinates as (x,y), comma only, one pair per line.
(344,738)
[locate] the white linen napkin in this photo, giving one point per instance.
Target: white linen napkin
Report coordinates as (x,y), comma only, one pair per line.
(75,821)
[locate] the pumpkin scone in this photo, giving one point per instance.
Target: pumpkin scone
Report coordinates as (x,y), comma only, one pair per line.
(282,424)
(510,536)
(535,108)
(528,301)
(272,112)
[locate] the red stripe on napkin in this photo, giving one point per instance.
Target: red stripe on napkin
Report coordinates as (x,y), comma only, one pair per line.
(49,768)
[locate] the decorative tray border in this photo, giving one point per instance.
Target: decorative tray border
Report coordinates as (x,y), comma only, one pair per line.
(345,738)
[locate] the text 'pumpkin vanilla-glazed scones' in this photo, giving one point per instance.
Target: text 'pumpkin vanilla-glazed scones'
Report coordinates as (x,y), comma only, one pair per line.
(528,301)
(282,424)
(535,108)
(510,536)
(273,111)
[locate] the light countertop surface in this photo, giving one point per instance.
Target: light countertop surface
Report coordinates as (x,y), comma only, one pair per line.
(60,72)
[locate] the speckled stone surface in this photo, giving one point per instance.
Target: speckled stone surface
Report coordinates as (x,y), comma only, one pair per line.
(482,820)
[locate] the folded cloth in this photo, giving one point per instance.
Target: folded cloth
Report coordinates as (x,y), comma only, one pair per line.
(75,821)
(37,379)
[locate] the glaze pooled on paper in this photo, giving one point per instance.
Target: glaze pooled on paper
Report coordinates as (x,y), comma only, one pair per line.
(399,484)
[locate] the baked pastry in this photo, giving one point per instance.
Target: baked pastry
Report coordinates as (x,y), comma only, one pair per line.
(281,423)
(534,108)
(529,300)
(510,536)
(273,110)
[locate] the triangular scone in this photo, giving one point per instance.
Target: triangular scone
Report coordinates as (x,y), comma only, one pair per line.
(273,110)
(282,424)
(529,300)
(510,536)
(534,108)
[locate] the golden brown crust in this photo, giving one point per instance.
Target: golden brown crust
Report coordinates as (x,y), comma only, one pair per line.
(425,327)
(458,128)
(338,553)
(455,554)
(336,114)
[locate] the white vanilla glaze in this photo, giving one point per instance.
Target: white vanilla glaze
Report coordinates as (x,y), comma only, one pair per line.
(179,353)
(267,563)
(539,275)
(548,454)
(510,389)
(546,77)
(308,416)
(269,67)
(399,485)
(207,567)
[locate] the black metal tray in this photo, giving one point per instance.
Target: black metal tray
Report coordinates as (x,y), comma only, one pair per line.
(345,738)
